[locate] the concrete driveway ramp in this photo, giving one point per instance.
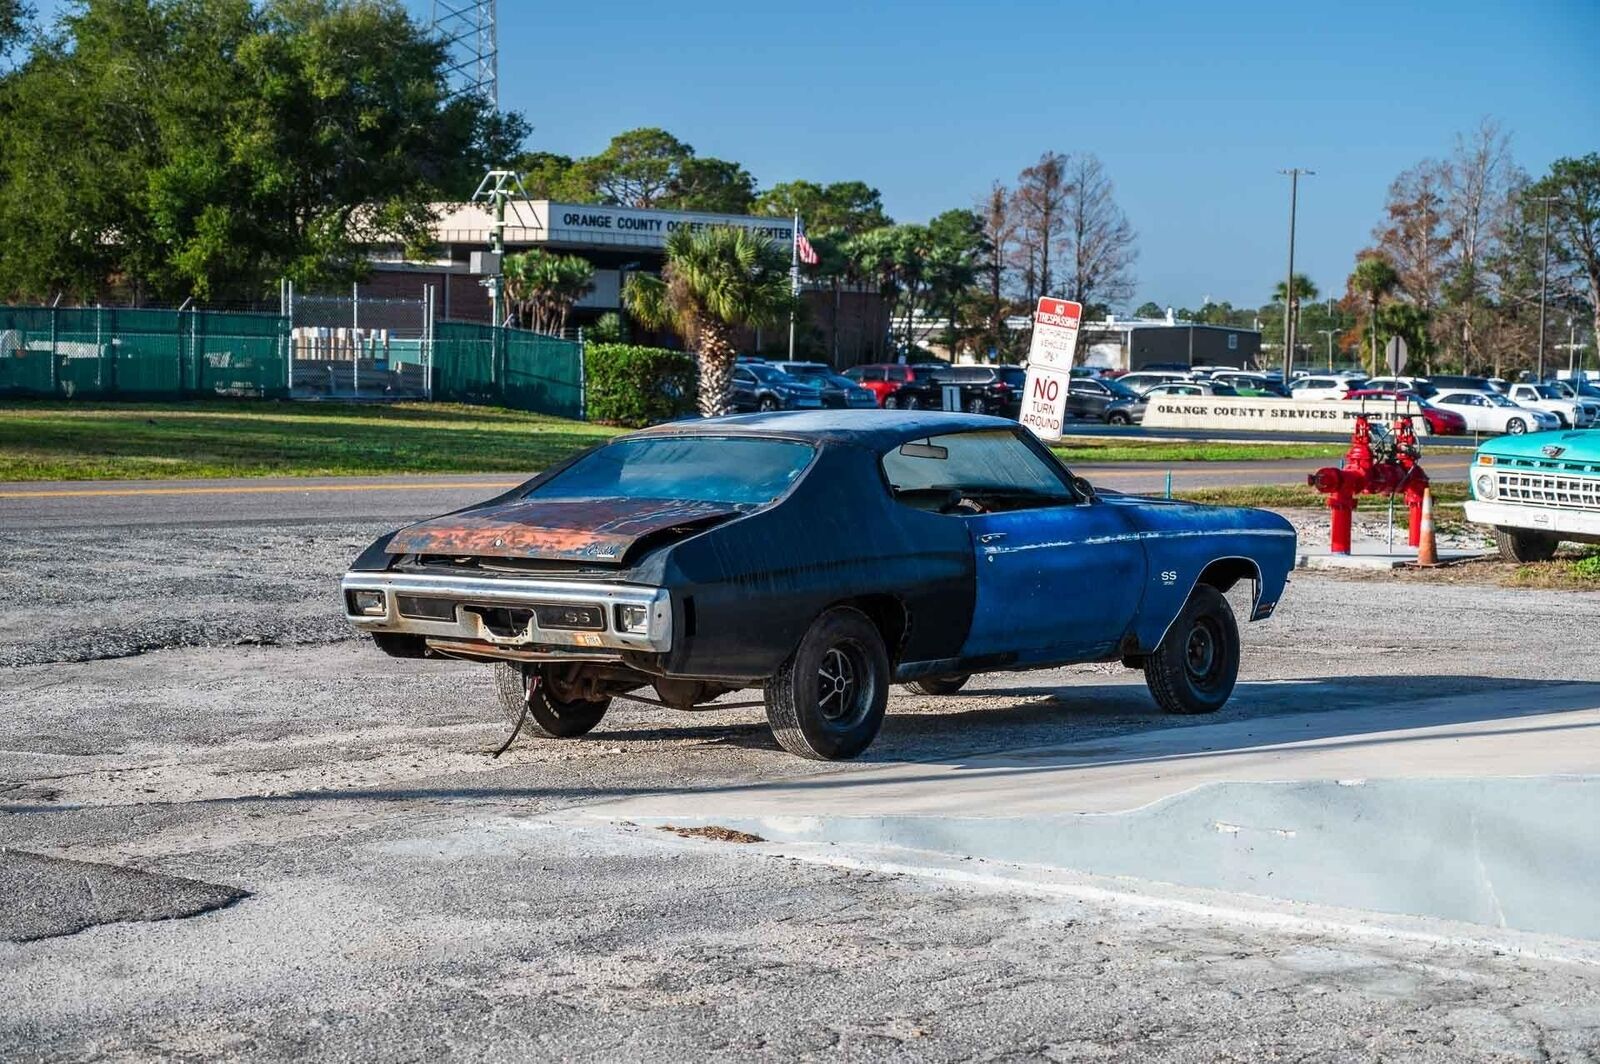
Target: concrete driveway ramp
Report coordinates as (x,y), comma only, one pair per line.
(50,896)
(1517,853)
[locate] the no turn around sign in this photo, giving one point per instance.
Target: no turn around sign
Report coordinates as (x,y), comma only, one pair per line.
(1050,354)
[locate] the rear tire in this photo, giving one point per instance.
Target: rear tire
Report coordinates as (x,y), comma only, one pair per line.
(1516,426)
(827,701)
(912,403)
(890,402)
(977,406)
(1119,418)
(1197,664)
(939,685)
(768,405)
(1519,545)
(557,718)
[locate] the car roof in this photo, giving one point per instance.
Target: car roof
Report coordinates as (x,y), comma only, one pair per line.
(875,429)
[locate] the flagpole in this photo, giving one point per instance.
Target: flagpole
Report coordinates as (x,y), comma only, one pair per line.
(794,277)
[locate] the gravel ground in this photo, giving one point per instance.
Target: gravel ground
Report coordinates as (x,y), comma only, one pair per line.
(407,898)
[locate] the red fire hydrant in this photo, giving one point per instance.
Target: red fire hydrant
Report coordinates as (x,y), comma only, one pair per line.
(1394,467)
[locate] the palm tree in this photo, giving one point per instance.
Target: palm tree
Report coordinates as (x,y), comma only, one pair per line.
(715,282)
(543,287)
(1373,278)
(1304,289)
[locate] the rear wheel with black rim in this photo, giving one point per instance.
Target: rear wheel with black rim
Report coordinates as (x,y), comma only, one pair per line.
(827,701)
(939,685)
(1197,664)
(552,705)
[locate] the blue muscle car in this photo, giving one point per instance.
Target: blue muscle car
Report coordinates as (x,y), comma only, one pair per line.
(822,556)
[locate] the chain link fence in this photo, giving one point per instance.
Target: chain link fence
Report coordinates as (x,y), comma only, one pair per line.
(116,353)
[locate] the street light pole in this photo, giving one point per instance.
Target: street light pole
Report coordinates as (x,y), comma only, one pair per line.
(1329,334)
(1288,289)
(1544,280)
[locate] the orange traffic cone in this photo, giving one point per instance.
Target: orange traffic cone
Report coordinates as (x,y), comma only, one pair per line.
(1427,546)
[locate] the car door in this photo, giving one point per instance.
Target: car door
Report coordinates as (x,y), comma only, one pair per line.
(743,394)
(1087,399)
(1474,409)
(1055,582)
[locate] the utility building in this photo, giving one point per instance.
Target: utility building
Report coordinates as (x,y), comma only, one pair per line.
(1143,342)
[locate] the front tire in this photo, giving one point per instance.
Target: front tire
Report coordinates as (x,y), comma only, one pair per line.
(977,406)
(1519,545)
(768,404)
(558,718)
(1197,664)
(1119,418)
(939,685)
(827,701)
(890,402)
(1516,426)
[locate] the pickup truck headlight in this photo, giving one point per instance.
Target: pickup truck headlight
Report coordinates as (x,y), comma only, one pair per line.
(635,620)
(367,603)
(1486,488)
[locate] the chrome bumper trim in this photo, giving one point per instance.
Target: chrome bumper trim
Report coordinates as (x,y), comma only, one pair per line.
(514,593)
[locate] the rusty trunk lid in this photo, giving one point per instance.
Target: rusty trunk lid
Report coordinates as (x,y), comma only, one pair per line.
(591,530)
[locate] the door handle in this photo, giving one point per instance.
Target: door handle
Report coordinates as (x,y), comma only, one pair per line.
(991,537)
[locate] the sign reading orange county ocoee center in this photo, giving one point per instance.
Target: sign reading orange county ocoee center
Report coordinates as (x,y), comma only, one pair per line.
(1055,341)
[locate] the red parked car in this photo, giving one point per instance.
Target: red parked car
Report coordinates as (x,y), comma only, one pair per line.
(1441,422)
(883,379)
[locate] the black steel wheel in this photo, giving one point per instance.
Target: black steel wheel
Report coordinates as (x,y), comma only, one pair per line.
(1520,545)
(1197,664)
(827,701)
(553,708)
(939,685)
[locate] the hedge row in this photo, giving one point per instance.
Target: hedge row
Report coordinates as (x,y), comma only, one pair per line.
(637,386)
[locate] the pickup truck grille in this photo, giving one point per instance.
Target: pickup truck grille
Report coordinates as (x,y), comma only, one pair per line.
(1548,489)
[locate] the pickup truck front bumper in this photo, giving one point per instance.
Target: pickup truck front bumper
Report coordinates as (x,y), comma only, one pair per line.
(1579,525)
(511,612)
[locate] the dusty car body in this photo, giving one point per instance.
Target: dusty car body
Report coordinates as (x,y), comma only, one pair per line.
(821,556)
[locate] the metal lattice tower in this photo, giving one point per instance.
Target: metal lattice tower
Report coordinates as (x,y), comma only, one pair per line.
(468,29)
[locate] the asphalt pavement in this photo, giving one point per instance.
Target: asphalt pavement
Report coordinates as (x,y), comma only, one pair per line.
(293,500)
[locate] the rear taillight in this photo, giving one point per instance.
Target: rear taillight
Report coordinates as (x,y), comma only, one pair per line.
(1000,386)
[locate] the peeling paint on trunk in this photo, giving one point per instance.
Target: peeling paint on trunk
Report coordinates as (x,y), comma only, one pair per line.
(582,530)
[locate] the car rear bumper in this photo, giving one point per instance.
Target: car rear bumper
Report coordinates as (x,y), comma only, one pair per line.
(513,612)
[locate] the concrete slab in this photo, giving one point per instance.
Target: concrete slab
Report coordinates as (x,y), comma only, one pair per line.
(1378,557)
(1476,809)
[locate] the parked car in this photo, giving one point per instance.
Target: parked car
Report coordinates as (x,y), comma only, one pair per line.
(1492,412)
(1537,492)
(1144,379)
(1416,385)
(1581,390)
(1573,413)
(1092,398)
(1132,411)
(1251,385)
(1440,422)
(838,391)
(882,379)
(1322,386)
(1456,382)
(698,558)
(761,386)
(984,389)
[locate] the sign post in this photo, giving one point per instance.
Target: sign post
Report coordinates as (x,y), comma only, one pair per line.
(1050,354)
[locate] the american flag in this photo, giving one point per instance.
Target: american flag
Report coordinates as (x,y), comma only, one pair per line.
(803,248)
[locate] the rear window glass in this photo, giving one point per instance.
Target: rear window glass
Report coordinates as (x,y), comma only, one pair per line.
(1013,375)
(990,461)
(898,373)
(725,469)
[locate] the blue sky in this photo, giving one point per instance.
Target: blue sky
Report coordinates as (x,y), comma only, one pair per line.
(1192,107)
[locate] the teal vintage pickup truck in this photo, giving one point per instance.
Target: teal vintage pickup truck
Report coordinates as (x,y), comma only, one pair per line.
(1537,491)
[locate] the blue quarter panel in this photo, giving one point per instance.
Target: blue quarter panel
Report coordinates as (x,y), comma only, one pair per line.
(1182,539)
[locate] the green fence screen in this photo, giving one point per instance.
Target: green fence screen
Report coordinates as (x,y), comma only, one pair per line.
(89,353)
(114,353)
(508,367)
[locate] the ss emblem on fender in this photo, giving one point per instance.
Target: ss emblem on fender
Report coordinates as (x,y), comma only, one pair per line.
(1169,577)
